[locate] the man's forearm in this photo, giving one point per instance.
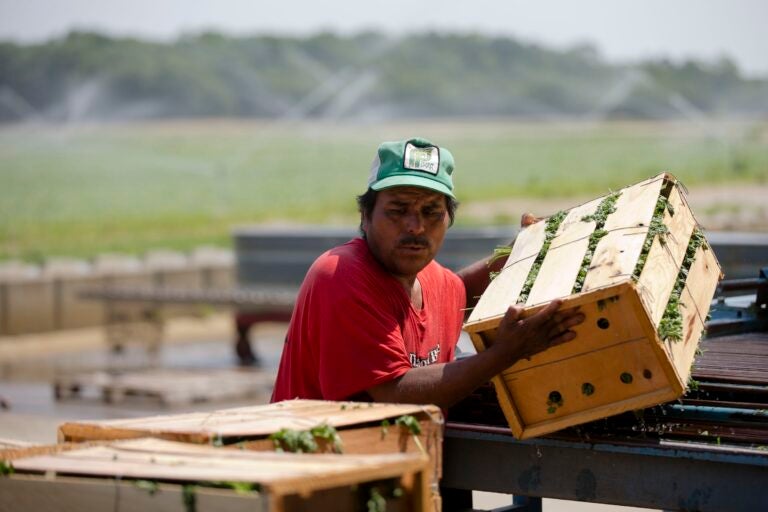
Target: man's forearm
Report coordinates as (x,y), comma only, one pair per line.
(443,384)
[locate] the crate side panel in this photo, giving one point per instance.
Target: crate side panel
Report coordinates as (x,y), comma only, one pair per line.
(659,274)
(683,352)
(696,299)
(563,260)
(655,397)
(504,290)
(703,277)
(610,319)
(509,405)
(616,254)
(37,493)
(601,369)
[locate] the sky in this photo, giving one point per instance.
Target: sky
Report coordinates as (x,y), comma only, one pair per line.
(622,30)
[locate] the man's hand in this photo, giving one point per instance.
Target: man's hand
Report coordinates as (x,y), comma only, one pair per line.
(518,338)
(527,219)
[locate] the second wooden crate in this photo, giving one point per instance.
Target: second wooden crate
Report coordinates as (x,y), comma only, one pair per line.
(362,428)
(158,475)
(639,268)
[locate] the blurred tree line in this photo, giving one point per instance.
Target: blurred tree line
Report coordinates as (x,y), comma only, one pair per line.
(89,76)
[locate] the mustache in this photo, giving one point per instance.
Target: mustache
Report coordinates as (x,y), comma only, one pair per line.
(414,240)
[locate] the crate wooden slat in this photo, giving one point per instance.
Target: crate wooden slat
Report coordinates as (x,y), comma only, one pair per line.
(286,481)
(512,277)
(242,423)
(618,361)
(559,270)
(617,253)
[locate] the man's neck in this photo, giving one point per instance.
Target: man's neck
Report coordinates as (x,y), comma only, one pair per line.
(412,287)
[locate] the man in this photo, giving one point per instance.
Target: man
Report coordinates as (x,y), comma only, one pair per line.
(378,318)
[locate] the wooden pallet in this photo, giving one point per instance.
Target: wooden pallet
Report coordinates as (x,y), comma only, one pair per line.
(363,428)
(170,387)
(155,475)
(618,361)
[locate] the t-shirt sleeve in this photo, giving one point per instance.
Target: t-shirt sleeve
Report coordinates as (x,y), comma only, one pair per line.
(358,336)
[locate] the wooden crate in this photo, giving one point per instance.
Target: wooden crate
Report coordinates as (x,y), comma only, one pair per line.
(153,474)
(363,428)
(618,361)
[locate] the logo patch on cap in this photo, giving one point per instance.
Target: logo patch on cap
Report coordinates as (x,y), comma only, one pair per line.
(425,159)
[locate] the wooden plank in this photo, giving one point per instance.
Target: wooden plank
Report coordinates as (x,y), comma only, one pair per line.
(659,274)
(171,461)
(695,300)
(563,260)
(11,453)
(703,277)
(656,396)
(19,492)
(617,252)
(504,290)
(245,422)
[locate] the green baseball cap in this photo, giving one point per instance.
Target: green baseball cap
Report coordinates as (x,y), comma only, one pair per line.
(415,162)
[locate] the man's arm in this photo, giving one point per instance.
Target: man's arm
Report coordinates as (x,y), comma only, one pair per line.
(446,383)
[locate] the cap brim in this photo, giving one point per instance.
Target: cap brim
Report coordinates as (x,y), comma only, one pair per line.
(412,181)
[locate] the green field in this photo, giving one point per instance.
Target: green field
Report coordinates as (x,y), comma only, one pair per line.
(80,190)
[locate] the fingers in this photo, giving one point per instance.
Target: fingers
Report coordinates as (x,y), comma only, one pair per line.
(550,326)
(513,313)
(562,338)
(545,315)
(527,219)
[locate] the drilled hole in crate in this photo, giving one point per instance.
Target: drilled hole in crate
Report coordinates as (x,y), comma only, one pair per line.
(603,323)
(555,400)
(626,378)
(647,373)
(587,388)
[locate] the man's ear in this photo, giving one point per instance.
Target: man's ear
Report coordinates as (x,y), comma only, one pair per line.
(364,223)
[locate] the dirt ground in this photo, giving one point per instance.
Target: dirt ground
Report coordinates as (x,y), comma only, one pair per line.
(717,208)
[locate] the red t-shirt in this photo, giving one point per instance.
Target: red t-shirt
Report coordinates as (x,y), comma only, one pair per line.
(354,326)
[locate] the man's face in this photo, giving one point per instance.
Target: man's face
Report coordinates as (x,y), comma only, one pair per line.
(406,228)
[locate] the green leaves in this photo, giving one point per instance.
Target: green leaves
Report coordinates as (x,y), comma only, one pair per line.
(409,422)
(305,441)
(6,467)
(655,228)
(671,323)
(606,207)
(329,434)
(414,427)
